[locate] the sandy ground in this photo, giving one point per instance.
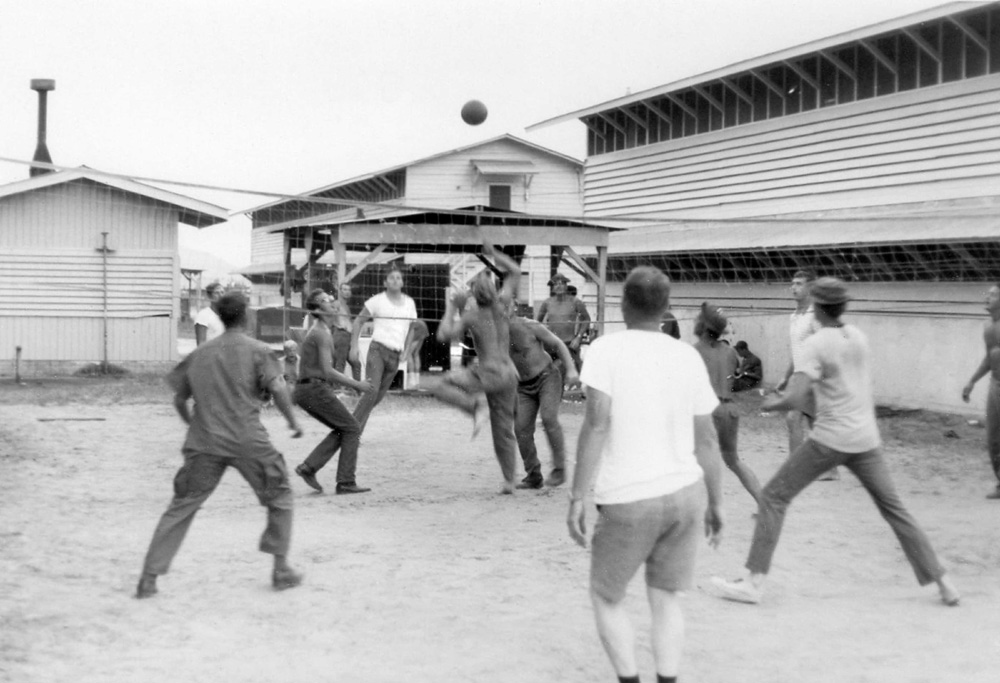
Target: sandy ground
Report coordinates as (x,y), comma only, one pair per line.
(434,577)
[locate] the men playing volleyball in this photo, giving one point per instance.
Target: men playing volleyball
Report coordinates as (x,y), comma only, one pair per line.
(721,361)
(490,387)
(990,365)
(226,377)
(314,394)
(649,440)
(392,312)
(539,389)
(836,367)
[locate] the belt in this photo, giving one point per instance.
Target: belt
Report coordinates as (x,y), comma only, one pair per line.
(721,400)
(312,380)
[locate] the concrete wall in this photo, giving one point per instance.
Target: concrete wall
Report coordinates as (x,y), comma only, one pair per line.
(926,338)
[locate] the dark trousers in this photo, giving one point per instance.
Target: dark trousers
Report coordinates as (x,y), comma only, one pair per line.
(541,393)
(194,483)
(807,463)
(319,400)
(341,351)
(381,367)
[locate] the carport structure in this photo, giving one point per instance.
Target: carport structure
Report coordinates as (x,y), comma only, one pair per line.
(377,230)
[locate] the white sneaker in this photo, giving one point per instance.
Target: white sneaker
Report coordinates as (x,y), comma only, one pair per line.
(739,590)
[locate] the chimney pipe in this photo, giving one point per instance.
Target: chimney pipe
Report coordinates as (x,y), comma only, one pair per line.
(42,87)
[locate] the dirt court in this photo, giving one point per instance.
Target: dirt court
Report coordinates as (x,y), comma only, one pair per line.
(432,576)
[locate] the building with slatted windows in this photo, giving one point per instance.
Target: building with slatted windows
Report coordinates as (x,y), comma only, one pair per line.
(88,266)
(872,155)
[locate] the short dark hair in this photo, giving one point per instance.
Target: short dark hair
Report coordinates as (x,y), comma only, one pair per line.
(806,274)
(232,309)
(647,292)
(312,303)
(741,346)
(211,288)
(832,310)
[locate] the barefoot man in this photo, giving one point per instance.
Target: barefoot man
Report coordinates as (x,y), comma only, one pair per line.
(489,388)
(539,390)
(836,369)
(991,366)
(721,361)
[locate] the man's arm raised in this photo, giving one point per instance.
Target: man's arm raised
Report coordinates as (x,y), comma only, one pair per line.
(509,266)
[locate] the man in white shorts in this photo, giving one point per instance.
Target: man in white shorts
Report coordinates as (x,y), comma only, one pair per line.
(648,438)
(392,313)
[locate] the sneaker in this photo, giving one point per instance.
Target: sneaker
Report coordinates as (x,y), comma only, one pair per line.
(556,478)
(351,488)
(531,483)
(309,477)
(283,579)
(739,590)
(994,494)
(146,587)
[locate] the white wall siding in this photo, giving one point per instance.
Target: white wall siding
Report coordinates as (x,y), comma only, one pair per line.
(937,143)
(72,339)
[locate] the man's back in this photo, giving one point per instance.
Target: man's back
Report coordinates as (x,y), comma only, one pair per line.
(228,378)
(656,385)
(490,328)
(837,359)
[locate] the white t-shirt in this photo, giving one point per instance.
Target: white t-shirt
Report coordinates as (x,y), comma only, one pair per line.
(836,359)
(657,385)
(801,327)
(210,320)
(391,321)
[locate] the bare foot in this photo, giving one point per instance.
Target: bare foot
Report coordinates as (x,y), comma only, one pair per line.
(949,594)
(507,488)
(480,417)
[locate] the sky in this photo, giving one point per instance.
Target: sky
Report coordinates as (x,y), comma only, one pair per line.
(260,96)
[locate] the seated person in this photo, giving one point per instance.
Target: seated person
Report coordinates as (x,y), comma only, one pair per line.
(750,371)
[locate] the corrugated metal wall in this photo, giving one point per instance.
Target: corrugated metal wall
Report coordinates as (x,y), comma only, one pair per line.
(52,277)
(935,143)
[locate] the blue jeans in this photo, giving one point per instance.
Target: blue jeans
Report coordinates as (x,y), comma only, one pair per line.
(542,393)
(381,367)
(807,463)
(318,399)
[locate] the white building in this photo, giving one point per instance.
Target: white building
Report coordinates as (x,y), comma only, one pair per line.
(872,155)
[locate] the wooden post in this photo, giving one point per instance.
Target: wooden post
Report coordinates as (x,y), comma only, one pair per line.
(340,253)
(286,285)
(307,287)
(104,261)
(602,286)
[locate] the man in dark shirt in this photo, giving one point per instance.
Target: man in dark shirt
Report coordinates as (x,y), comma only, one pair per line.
(750,371)
(227,377)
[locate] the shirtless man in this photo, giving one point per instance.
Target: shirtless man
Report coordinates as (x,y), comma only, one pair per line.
(314,394)
(721,361)
(489,388)
(539,389)
(991,365)
(566,317)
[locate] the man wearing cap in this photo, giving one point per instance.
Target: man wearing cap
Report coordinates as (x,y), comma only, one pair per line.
(721,362)
(990,365)
(566,317)
(836,368)
(751,370)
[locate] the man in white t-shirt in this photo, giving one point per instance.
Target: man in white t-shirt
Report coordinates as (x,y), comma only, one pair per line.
(207,324)
(392,313)
(836,369)
(649,439)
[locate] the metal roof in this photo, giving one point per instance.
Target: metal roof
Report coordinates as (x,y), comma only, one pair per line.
(191,211)
(368,176)
(770,58)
